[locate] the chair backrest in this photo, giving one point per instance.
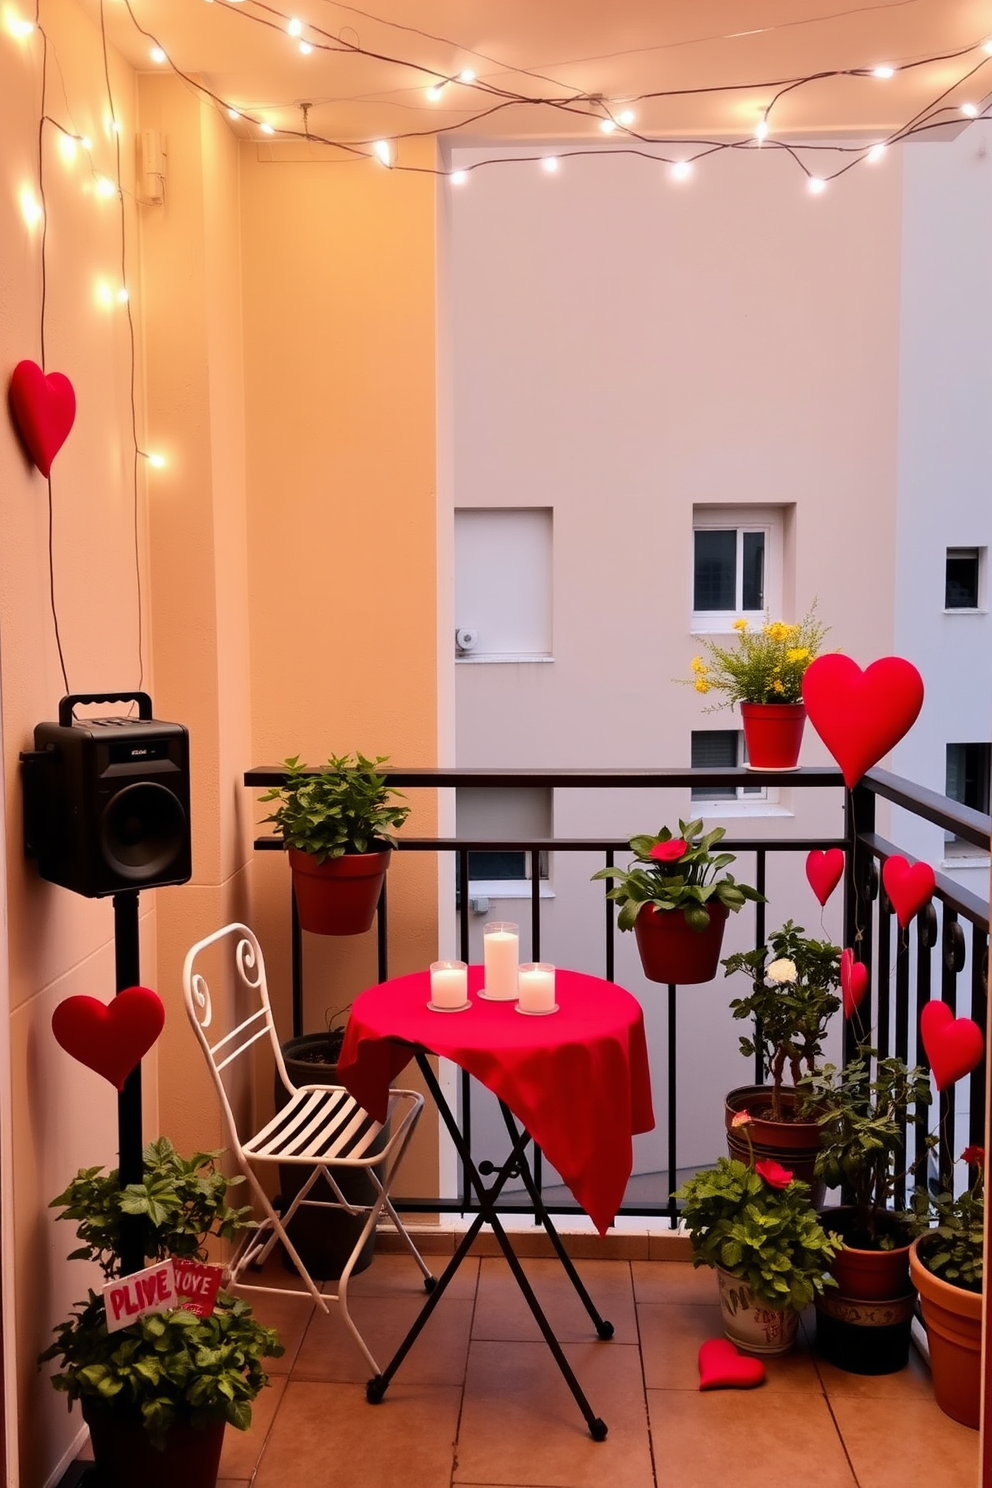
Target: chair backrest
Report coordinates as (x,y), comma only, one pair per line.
(223,1047)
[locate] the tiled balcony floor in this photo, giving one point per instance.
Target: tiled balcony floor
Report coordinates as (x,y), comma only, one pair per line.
(479,1399)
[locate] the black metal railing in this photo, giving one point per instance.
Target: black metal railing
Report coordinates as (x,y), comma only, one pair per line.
(944,953)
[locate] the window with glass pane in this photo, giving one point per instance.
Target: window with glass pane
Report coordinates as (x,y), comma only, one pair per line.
(720,749)
(968,770)
(728,570)
(961,580)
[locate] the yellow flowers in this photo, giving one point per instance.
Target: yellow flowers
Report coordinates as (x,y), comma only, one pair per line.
(740,625)
(760,663)
(797,653)
(777,685)
(699,666)
(702,685)
(778,631)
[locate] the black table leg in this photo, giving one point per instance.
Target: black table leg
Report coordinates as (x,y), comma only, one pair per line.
(515,1163)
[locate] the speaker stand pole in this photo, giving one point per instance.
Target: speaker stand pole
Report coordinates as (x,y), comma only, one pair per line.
(129,1143)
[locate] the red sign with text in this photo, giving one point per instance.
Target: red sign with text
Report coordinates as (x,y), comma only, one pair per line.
(197,1285)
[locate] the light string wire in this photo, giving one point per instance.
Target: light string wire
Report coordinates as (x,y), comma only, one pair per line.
(586,105)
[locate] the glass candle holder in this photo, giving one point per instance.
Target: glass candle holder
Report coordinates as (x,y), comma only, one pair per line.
(536,981)
(449,986)
(500,954)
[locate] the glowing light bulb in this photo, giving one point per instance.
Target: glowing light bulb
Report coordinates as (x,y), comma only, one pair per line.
(987,45)
(67,147)
(232,113)
(157,460)
(105,187)
(434,92)
(383,151)
(305,49)
(458,177)
(31,209)
(122,296)
(607,126)
(681,170)
(295,27)
(266,128)
(104,294)
(970,110)
(815,185)
(761,129)
(883,72)
(627,116)
(158,55)
(86,142)
(466,75)
(115,126)
(875,153)
(550,163)
(18,26)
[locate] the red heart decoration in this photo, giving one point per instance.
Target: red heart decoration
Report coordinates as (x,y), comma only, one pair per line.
(110,1040)
(721,1367)
(853,981)
(44,409)
(858,714)
(954,1046)
(824,871)
(909,888)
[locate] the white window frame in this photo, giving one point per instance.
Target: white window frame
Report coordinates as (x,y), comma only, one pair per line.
(750,795)
(767,519)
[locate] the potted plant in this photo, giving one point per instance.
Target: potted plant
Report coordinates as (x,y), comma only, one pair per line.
(793,996)
(336,823)
(763,672)
(754,1224)
(863,1112)
(158,1393)
(946,1266)
(676,899)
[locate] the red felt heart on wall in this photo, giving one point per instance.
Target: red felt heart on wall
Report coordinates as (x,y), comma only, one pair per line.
(44,409)
(858,714)
(721,1367)
(909,888)
(954,1046)
(824,871)
(853,981)
(110,1039)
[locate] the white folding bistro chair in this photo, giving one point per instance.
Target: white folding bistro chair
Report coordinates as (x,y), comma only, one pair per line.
(321,1127)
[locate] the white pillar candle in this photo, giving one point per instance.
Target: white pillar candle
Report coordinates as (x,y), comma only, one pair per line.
(536,980)
(501,952)
(449,984)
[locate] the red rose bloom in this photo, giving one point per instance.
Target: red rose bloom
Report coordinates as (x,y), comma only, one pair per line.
(773,1173)
(669,852)
(975,1156)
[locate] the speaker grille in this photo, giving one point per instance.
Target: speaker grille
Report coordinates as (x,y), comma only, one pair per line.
(143,831)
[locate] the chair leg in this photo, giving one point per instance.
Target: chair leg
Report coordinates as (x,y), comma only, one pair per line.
(401,1230)
(279,1232)
(341,1296)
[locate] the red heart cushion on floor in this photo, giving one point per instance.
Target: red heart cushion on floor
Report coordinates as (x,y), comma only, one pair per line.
(110,1039)
(824,870)
(954,1046)
(721,1367)
(909,888)
(853,981)
(44,409)
(858,714)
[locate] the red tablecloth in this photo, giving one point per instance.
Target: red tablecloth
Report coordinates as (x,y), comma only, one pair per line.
(577,1079)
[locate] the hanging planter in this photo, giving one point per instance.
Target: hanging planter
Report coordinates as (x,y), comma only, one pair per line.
(338,897)
(953,1319)
(673,951)
(773,734)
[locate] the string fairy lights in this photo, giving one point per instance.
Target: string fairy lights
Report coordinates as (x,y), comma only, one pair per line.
(616,120)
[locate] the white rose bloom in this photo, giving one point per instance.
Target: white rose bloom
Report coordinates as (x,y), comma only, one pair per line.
(782,970)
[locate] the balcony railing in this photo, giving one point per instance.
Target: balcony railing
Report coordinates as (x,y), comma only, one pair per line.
(945,953)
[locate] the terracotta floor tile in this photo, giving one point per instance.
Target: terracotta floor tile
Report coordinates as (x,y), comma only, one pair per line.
(672,1281)
(389,1274)
(242,1449)
(288,1311)
(438,1357)
(742,1439)
(321,1437)
(502,1313)
(520,1424)
(670,1339)
(906,1443)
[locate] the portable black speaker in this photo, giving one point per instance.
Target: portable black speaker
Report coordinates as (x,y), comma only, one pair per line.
(106,800)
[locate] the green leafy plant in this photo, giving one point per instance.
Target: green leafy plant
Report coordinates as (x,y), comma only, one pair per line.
(756,1221)
(952,1247)
(792,1000)
(863,1111)
(676,873)
(343,807)
(765,665)
(166,1367)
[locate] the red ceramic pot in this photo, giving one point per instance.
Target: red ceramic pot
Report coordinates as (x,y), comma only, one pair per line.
(338,897)
(672,951)
(773,733)
(789,1141)
(124,1455)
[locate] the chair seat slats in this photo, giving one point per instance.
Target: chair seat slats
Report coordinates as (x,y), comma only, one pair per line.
(318,1125)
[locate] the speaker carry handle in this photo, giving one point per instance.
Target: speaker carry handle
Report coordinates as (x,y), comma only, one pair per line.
(72,699)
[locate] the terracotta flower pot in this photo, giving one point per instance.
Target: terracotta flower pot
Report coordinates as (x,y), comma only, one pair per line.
(338,897)
(750,1323)
(953,1319)
(791,1142)
(672,951)
(773,733)
(864,1325)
